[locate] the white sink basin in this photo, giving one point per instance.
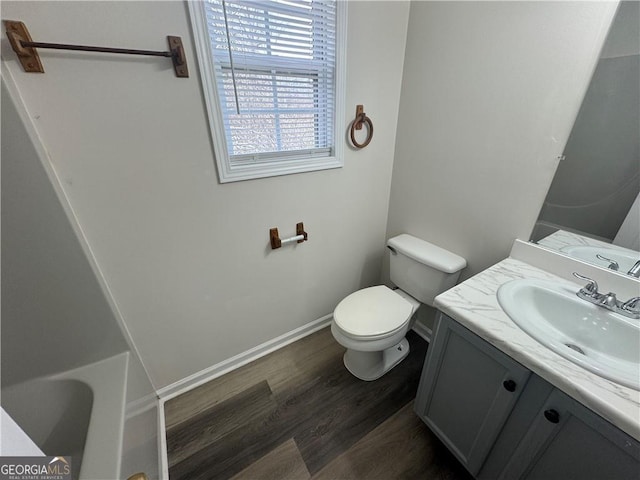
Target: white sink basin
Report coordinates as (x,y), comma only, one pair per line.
(597,339)
(588,253)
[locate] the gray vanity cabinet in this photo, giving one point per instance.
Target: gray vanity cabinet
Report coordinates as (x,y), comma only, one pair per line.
(565,440)
(505,423)
(467,390)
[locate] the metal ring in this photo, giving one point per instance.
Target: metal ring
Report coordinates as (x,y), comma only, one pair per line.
(360,120)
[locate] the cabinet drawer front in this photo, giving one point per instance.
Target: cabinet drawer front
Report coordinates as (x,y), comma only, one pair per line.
(467,391)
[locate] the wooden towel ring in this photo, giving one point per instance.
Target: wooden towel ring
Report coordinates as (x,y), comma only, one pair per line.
(361,118)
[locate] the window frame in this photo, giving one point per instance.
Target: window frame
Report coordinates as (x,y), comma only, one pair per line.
(284,164)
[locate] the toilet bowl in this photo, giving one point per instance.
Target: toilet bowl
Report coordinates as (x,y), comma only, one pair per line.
(372,323)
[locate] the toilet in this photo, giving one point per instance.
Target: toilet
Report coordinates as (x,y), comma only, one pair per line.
(372,323)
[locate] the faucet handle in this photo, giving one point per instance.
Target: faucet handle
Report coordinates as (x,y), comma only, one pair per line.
(613,265)
(632,305)
(591,288)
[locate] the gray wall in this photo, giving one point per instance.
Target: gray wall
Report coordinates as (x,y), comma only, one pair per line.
(54,314)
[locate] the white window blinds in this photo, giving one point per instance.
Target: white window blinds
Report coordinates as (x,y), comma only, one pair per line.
(275,75)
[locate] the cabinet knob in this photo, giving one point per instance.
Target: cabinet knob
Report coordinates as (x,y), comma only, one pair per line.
(552,415)
(509,385)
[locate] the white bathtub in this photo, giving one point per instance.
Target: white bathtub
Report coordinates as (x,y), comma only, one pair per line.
(77,413)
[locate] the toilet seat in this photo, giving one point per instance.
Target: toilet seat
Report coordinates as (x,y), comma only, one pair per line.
(374,312)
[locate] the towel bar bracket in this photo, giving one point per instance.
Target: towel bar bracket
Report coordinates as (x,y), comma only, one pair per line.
(17,33)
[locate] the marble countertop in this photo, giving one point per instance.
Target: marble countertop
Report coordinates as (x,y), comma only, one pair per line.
(474,304)
(561,239)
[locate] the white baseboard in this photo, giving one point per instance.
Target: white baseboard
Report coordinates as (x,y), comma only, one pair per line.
(422,330)
(162,443)
(214,371)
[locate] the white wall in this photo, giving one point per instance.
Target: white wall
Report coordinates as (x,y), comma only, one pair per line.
(185,257)
(489,95)
(54,314)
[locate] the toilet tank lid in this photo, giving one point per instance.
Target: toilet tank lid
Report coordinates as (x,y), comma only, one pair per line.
(427,253)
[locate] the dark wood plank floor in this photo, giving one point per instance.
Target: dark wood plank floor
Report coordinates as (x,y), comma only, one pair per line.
(298,413)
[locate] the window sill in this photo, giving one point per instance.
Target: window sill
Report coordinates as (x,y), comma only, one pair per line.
(249,172)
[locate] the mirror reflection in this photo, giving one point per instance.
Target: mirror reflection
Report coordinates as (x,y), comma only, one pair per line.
(592,209)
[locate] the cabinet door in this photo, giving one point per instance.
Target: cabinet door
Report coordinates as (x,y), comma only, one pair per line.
(467,390)
(568,441)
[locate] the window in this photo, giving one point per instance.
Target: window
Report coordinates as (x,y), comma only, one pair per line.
(273,77)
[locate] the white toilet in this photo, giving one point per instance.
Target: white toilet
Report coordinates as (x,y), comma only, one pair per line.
(371,323)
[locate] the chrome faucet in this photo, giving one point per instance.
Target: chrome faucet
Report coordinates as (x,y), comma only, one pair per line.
(609,301)
(635,270)
(630,308)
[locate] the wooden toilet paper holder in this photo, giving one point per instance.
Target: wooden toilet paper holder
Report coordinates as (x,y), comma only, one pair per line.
(277,242)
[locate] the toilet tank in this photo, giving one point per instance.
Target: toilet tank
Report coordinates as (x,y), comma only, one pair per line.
(422,269)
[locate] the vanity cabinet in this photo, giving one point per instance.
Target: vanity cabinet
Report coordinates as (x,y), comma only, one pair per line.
(532,432)
(467,392)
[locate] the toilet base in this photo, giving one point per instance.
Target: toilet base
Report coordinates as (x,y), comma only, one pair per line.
(370,366)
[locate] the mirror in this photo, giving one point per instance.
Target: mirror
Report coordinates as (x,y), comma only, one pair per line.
(592,209)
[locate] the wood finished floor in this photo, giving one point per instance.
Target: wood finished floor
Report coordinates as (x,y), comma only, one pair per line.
(299,414)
